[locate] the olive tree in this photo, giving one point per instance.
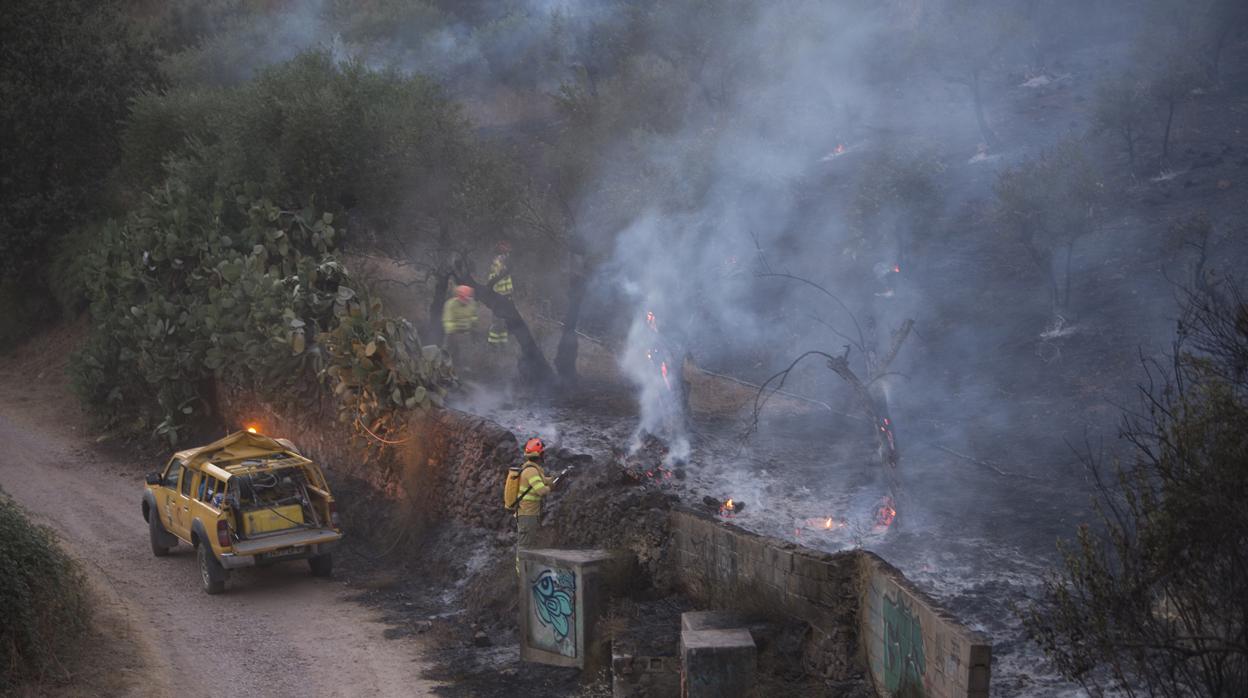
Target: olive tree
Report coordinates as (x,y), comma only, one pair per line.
(1046,205)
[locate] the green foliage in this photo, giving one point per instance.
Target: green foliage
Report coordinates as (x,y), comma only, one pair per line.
(189,289)
(377,365)
(1156,596)
(43,599)
(317,131)
(68,69)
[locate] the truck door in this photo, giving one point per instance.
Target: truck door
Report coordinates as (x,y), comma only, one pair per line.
(182,504)
(167,495)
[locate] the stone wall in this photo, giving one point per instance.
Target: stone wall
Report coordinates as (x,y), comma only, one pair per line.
(913,647)
(722,566)
(453,469)
(863,613)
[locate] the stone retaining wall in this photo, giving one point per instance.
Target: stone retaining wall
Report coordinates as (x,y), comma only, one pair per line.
(863,613)
(722,566)
(912,646)
(454,469)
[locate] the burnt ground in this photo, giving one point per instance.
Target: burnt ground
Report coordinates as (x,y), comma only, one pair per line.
(1000,402)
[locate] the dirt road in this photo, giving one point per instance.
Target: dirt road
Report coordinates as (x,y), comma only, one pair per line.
(275,632)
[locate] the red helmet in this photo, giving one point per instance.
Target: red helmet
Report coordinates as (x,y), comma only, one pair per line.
(503,247)
(463,292)
(534,447)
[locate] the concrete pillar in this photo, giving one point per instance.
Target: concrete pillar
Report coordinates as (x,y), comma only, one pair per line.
(563,596)
(717,663)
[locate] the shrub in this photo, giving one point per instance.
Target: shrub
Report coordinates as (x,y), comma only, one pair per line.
(43,599)
(1154,599)
(190,290)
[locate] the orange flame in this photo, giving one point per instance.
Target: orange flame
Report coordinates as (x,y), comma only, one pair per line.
(252,429)
(652,322)
(885,514)
(663,370)
(896,268)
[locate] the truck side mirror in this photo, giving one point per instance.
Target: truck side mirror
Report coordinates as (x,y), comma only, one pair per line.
(152,478)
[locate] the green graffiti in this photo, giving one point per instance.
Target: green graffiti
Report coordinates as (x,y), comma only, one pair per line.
(904,663)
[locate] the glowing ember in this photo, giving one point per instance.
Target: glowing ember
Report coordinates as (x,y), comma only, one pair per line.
(663,370)
(896,268)
(887,431)
(652,322)
(731,508)
(885,514)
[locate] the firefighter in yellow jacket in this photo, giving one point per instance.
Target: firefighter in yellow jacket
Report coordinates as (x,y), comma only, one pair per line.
(499,281)
(459,318)
(534,485)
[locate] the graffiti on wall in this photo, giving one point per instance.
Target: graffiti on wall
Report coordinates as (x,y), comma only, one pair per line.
(552,614)
(904,662)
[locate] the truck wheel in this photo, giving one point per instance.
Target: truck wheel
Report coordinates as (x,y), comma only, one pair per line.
(157,532)
(211,573)
(322,565)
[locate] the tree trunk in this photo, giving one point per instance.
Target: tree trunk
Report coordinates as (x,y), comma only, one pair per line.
(533,368)
(990,138)
(433,330)
(565,355)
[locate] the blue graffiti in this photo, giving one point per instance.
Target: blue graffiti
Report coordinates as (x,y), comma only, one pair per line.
(553,597)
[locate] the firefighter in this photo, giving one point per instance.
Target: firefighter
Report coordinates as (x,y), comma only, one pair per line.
(534,485)
(459,318)
(500,281)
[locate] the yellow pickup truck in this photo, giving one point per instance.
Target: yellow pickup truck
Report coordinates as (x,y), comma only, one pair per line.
(245,500)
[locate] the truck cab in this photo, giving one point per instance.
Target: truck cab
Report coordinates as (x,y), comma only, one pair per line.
(245,500)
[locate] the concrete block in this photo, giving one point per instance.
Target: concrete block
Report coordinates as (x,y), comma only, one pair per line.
(639,676)
(563,597)
(712,620)
(717,663)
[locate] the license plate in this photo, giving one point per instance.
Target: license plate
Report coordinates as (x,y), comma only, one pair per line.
(285,552)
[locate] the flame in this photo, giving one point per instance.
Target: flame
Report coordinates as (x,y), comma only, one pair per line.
(652,322)
(728,505)
(828,523)
(885,514)
(896,268)
(840,148)
(663,370)
(252,429)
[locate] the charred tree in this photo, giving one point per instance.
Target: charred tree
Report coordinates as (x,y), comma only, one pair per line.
(533,369)
(434,331)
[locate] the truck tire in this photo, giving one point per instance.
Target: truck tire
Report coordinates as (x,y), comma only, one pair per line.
(158,534)
(211,573)
(322,565)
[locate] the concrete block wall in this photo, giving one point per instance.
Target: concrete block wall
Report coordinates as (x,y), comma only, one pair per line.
(913,647)
(722,566)
(864,615)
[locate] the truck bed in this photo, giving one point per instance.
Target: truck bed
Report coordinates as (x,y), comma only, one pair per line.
(285,539)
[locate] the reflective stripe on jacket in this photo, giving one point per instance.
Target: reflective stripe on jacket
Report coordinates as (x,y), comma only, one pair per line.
(458,316)
(532,476)
(500,276)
